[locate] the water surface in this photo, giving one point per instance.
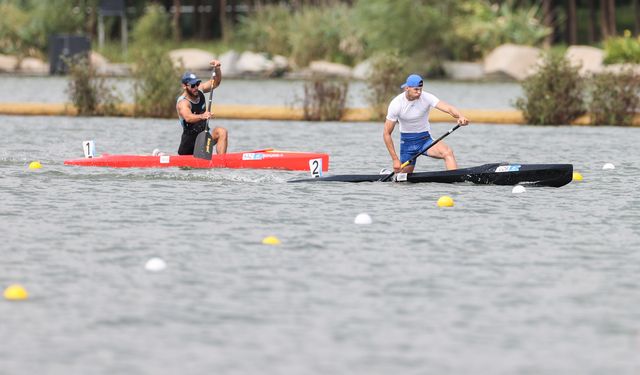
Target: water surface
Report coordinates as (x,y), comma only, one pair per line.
(539,283)
(275,92)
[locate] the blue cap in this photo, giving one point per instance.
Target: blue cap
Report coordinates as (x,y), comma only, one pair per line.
(189,78)
(413,80)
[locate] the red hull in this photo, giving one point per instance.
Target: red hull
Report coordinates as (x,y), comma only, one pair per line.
(259,159)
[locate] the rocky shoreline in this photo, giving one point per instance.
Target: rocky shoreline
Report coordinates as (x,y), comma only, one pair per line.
(507,62)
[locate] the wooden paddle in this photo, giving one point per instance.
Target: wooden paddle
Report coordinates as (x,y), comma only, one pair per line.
(203,148)
(414,157)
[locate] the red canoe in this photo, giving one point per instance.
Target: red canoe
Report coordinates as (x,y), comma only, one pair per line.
(258,159)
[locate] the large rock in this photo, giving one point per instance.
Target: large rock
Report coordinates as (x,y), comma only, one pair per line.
(621,68)
(282,64)
(512,61)
(229,62)
(8,63)
(97,60)
(362,71)
(193,59)
(464,70)
(255,64)
(589,58)
(326,68)
(31,65)
(116,70)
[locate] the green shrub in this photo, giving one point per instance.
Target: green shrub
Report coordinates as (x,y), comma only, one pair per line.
(90,94)
(624,49)
(25,26)
(386,75)
(12,25)
(266,30)
(553,95)
(479,27)
(55,17)
(153,28)
(156,84)
(324,33)
(324,100)
(405,26)
(614,98)
(312,33)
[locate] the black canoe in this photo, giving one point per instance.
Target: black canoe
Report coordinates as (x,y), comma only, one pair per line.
(555,175)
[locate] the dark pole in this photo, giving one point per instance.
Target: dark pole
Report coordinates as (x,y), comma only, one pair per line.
(177,32)
(547,19)
(604,19)
(593,20)
(572,27)
(636,17)
(612,17)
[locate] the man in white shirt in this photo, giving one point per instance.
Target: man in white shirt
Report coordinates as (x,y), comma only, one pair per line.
(411,109)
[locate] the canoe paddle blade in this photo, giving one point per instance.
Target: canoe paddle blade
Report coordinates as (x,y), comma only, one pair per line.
(203,148)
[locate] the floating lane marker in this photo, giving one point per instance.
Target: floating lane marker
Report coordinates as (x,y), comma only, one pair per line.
(35,165)
(445,201)
(608,166)
(577,176)
(363,219)
(15,292)
(271,240)
(518,189)
(155,265)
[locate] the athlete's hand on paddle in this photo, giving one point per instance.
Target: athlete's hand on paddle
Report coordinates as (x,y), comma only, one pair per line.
(206,115)
(414,157)
(203,148)
(397,166)
(463,121)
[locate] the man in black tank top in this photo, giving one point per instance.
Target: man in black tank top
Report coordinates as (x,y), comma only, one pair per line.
(192,111)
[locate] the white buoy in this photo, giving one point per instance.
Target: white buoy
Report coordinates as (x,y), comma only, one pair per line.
(608,166)
(518,189)
(155,265)
(362,219)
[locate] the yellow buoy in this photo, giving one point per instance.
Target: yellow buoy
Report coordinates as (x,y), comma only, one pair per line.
(15,292)
(577,176)
(445,201)
(271,240)
(35,165)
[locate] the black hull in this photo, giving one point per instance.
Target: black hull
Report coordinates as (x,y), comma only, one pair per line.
(554,175)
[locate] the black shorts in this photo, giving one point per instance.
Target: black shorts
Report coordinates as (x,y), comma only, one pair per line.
(189,135)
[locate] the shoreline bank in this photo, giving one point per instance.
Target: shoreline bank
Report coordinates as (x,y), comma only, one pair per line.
(255,112)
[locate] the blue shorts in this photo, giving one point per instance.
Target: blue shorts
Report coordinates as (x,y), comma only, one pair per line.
(412,143)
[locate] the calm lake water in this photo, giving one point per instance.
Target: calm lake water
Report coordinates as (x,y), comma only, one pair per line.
(544,282)
(269,92)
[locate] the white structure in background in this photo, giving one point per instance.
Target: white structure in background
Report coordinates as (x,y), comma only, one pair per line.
(112,8)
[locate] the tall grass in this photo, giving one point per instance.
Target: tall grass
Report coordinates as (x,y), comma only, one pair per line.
(403,25)
(90,94)
(25,26)
(554,95)
(388,71)
(324,100)
(312,33)
(152,28)
(479,26)
(156,85)
(267,30)
(614,98)
(325,33)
